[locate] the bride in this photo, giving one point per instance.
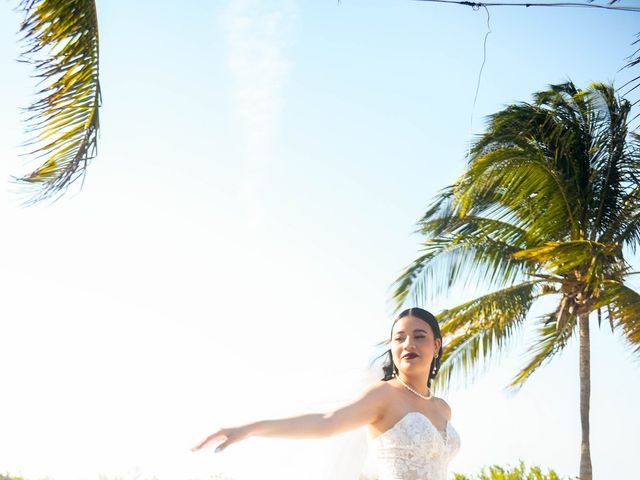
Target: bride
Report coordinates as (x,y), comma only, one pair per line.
(409,428)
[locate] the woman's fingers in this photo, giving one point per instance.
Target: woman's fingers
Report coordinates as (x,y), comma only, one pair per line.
(229,435)
(223,445)
(232,435)
(211,438)
(201,444)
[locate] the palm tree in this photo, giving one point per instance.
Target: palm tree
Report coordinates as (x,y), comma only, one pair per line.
(547,207)
(62,39)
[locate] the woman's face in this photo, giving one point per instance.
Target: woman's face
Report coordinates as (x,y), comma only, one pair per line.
(413,345)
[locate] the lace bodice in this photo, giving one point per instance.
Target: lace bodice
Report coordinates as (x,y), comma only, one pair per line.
(414,449)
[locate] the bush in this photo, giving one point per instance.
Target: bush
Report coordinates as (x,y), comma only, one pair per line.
(6,476)
(496,472)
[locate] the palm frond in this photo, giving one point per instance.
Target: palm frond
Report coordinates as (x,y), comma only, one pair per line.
(551,337)
(556,126)
(614,168)
(412,281)
(633,60)
(623,309)
(475,331)
(477,226)
(625,227)
(62,39)
(582,137)
(524,183)
(461,258)
(442,206)
(563,258)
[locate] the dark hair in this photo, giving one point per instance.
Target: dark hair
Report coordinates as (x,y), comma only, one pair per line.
(389,369)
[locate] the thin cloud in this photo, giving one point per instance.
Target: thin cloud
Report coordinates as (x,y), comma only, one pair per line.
(258,36)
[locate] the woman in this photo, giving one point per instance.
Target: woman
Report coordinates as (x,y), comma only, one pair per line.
(409,428)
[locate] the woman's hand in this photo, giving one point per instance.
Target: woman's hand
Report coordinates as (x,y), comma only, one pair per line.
(229,435)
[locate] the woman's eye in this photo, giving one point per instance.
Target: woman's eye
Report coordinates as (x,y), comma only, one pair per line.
(399,339)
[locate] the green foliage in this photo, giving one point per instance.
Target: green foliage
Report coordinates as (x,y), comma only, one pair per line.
(62,44)
(6,476)
(548,205)
(496,472)
(521,472)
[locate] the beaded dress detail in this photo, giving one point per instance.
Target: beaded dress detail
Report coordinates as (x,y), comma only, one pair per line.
(414,449)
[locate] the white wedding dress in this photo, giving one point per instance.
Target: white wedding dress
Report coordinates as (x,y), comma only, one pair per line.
(414,449)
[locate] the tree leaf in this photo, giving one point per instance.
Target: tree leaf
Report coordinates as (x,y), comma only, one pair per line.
(62,44)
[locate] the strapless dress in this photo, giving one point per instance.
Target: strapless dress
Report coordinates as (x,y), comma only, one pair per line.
(414,449)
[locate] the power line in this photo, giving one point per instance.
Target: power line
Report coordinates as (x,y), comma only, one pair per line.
(484,60)
(478,5)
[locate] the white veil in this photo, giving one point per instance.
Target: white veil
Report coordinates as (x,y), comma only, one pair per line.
(340,457)
(348,456)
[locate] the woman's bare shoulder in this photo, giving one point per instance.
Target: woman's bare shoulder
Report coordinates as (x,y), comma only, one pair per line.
(380,392)
(380,387)
(446,409)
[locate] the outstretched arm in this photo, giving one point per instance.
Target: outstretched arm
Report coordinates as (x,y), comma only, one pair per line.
(363,410)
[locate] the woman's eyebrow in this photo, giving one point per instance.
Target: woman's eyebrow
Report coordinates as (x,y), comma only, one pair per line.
(415,331)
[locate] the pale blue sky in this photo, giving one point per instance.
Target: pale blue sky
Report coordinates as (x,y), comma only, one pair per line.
(261,168)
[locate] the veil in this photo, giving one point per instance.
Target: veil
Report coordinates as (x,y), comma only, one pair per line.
(339,457)
(347,456)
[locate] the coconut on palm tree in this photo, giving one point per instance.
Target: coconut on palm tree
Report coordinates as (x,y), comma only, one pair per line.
(547,207)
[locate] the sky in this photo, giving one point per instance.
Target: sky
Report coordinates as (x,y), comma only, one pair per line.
(261,168)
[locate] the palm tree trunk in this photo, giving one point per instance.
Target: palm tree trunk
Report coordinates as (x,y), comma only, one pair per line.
(585,393)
